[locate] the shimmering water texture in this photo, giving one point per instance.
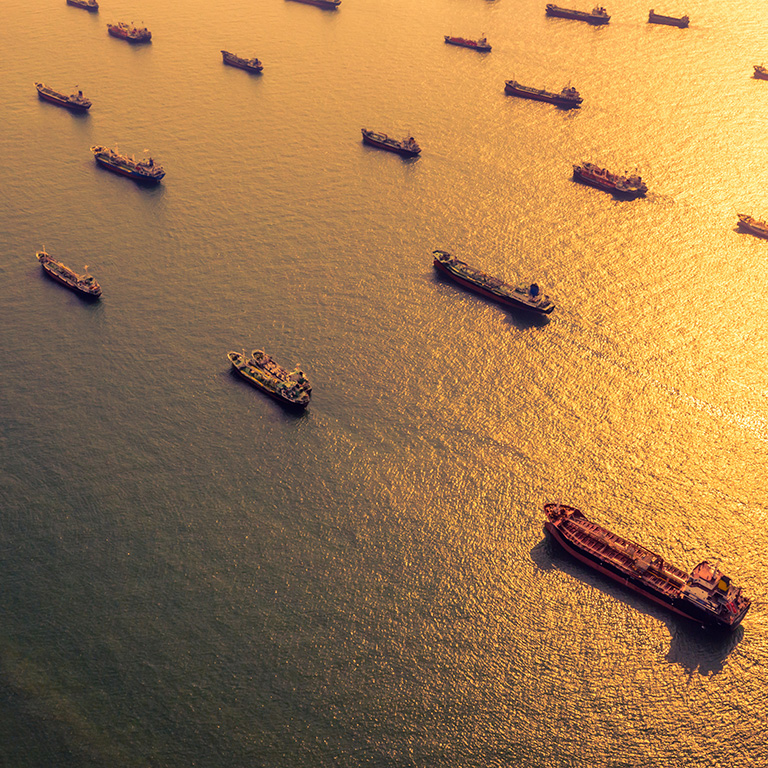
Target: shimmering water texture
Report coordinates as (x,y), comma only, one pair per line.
(195,576)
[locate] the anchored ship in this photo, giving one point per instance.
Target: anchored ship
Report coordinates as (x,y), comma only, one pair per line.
(568,97)
(129,32)
(407,147)
(84,284)
(260,359)
(705,595)
(520,296)
(89,5)
(252,65)
(478,45)
(329,4)
(598,14)
(76,102)
(755,226)
(629,186)
(761,73)
(139,170)
(290,392)
(672,21)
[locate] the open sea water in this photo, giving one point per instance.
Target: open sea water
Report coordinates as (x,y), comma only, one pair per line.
(192,575)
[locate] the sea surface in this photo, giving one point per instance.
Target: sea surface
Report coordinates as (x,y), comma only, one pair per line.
(191,575)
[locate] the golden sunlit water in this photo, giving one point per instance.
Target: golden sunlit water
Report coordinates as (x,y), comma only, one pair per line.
(193,576)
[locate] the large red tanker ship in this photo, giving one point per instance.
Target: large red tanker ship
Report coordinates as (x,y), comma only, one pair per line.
(705,595)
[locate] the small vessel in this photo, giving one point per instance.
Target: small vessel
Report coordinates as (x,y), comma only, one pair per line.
(598,15)
(260,359)
(290,393)
(252,65)
(407,147)
(755,226)
(521,296)
(76,102)
(478,45)
(89,5)
(672,21)
(328,4)
(761,72)
(629,186)
(84,284)
(129,32)
(568,97)
(705,595)
(139,170)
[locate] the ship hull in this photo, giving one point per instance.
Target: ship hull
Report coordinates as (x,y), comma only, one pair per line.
(62,101)
(396,148)
(83,5)
(670,21)
(612,573)
(275,370)
(243,65)
(607,187)
(635,585)
(253,381)
(550,98)
(646,573)
(467,44)
(71,284)
(328,6)
(246,67)
(760,74)
(127,172)
(472,286)
(565,13)
(65,283)
(758,232)
(120,34)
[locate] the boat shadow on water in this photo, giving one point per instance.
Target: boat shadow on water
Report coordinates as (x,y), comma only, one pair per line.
(572,109)
(78,114)
(739,231)
(696,650)
(94,303)
(405,159)
(693,647)
(520,319)
(148,185)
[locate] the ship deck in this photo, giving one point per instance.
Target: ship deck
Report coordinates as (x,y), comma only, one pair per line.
(630,558)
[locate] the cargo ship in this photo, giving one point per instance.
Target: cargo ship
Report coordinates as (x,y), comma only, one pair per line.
(706,595)
(129,32)
(327,4)
(76,102)
(628,186)
(260,359)
(252,65)
(520,297)
(139,170)
(598,15)
(289,393)
(478,45)
(671,21)
(755,226)
(568,97)
(89,5)
(407,147)
(83,284)
(761,73)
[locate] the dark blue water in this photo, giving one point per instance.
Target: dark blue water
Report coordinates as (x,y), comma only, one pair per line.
(192,575)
